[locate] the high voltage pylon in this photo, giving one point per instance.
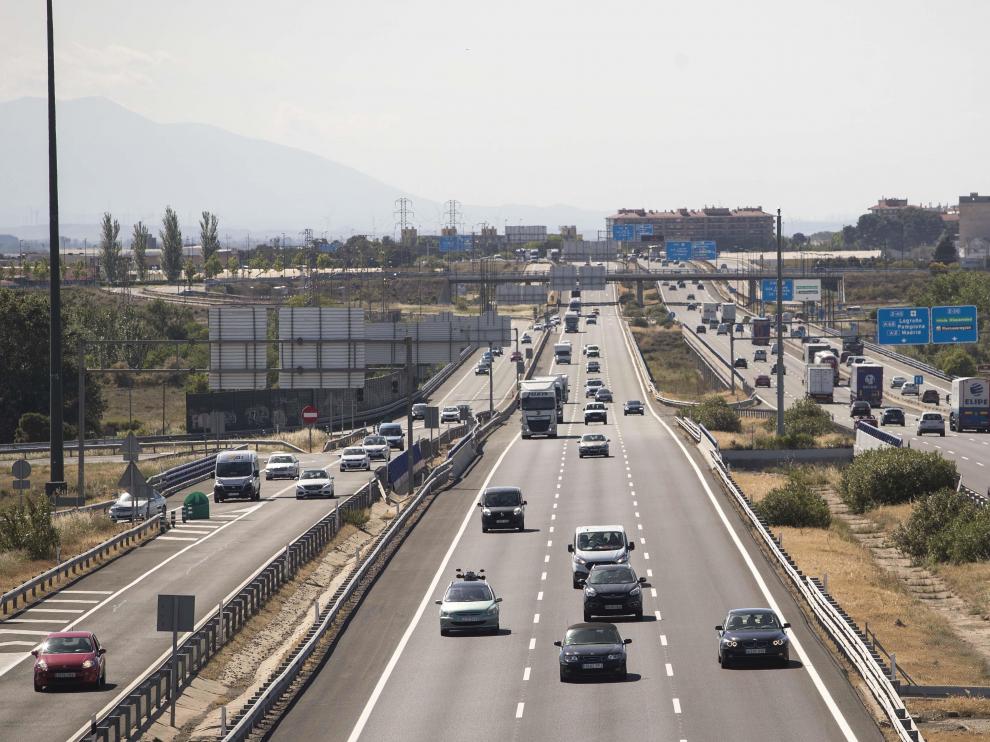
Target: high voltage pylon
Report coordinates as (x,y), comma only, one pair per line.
(452,210)
(404,214)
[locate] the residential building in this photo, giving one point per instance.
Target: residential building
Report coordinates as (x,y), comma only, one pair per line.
(974,230)
(748,227)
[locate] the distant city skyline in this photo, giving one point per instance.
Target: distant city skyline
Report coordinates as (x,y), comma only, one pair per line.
(818,110)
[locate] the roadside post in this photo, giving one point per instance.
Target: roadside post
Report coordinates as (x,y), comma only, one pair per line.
(130,451)
(175,613)
(21,470)
(310,416)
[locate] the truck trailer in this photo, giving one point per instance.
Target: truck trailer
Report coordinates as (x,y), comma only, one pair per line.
(819,382)
(728,312)
(866,383)
(969,405)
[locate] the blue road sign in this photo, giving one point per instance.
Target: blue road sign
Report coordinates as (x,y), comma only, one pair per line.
(704,250)
(768,289)
(678,250)
(643,230)
(903,326)
(623,232)
(919,379)
(455,242)
(954,325)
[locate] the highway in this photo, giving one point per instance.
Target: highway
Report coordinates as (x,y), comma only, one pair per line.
(392,676)
(209,558)
(969,450)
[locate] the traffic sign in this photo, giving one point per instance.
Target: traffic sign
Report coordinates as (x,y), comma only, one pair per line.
(520,367)
(133,481)
(21,469)
(456,242)
(623,232)
(704,250)
(431,418)
(954,325)
(130,449)
(919,379)
(678,250)
(22,484)
(768,289)
(309,414)
(903,325)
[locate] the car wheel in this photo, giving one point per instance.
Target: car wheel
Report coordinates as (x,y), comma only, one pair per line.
(725,662)
(785,661)
(39,688)
(587,617)
(580,455)
(484,529)
(563,676)
(268,477)
(605,421)
(639,615)
(575,584)
(217,498)
(444,632)
(522,525)
(299,497)
(623,673)
(101,683)
(942,434)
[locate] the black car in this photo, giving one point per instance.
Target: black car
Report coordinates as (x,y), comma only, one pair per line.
(633,407)
(930,396)
(752,634)
(860,408)
(892,416)
(740,362)
(603,395)
(613,589)
(592,650)
(774,369)
(700,330)
(502,507)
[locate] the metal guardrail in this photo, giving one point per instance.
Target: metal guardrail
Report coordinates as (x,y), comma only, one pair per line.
(823,606)
(894,355)
(26,592)
(974,496)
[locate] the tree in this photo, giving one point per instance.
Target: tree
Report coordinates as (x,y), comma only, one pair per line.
(171,237)
(278,264)
(945,250)
(259,263)
(848,235)
(233,265)
(189,268)
(799,239)
(139,246)
(208,235)
(212,266)
(955,361)
(110,248)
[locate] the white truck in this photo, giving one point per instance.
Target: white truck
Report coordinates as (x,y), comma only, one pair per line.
(563,391)
(538,404)
(728,312)
(819,382)
(827,358)
(571,321)
(562,352)
(709,311)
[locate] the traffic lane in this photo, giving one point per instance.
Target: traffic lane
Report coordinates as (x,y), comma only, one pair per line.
(699,574)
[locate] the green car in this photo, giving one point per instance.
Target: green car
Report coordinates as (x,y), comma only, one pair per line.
(469,604)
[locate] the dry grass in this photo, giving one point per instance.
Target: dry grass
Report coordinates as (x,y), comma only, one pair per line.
(925,644)
(756,484)
(143,403)
(888,517)
(949,709)
(971,582)
(751,427)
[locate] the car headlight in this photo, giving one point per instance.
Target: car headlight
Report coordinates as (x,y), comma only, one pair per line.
(579,560)
(570,658)
(615,656)
(492,609)
(590,592)
(516,511)
(88,665)
(779,642)
(635,591)
(328,488)
(730,643)
(623,558)
(300,490)
(486,512)
(444,613)
(42,665)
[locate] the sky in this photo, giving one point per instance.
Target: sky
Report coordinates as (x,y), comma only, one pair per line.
(819,108)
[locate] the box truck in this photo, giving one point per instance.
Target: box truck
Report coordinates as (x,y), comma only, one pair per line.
(866,384)
(969,405)
(562,352)
(728,312)
(709,311)
(819,382)
(810,349)
(761,330)
(827,358)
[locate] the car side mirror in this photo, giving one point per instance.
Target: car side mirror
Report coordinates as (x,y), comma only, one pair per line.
(524,502)
(498,600)
(102,650)
(438,602)
(720,627)
(631,546)
(787,626)
(257,473)
(570,548)
(642,580)
(558,644)
(627,641)
(479,504)
(34,652)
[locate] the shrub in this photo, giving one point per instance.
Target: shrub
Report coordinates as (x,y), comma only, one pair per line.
(640,322)
(32,427)
(807,417)
(355,517)
(795,504)
(946,527)
(788,440)
(715,414)
(29,527)
(891,475)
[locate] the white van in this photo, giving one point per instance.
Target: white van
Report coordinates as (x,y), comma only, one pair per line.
(237,474)
(597,545)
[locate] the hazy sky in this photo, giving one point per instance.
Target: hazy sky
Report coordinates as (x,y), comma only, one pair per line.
(817,107)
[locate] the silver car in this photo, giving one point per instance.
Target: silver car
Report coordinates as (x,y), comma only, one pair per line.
(126,509)
(377,447)
(469,604)
(355,457)
(314,483)
(282,465)
(593,444)
(931,422)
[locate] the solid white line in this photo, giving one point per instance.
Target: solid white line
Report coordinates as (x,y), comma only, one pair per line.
(31,620)
(677,706)
(29,632)
(441,570)
(64,600)
(532,643)
(85,592)
(840,719)
(526,674)
(55,610)
(670,670)
(519,709)
(16,643)
(176,538)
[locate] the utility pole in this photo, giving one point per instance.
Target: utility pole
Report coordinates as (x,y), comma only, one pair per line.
(56,485)
(410,384)
(491,384)
(780,333)
(732,355)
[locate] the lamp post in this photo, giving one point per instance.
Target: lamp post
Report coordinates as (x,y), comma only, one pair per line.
(780,333)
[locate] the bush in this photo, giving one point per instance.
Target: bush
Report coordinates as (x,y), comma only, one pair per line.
(788,440)
(32,427)
(946,527)
(795,504)
(639,322)
(29,527)
(715,414)
(355,517)
(807,417)
(891,475)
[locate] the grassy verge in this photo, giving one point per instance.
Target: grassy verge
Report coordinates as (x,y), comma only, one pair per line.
(143,404)
(754,427)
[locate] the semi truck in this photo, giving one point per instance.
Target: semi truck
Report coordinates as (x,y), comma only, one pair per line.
(866,383)
(761,330)
(728,312)
(574,305)
(812,349)
(819,382)
(571,321)
(538,405)
(709,311)
(562,352)
(562,390)
(827,358)
(969,405)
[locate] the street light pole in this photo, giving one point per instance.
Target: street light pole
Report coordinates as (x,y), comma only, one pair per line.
(56,485)
(491,384)
(780,333)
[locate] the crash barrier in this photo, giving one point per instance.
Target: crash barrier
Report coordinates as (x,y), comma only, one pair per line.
(894,355)
(869,437)
(835,622)
(148,696)
(344,441)
(971,494)
(37,586)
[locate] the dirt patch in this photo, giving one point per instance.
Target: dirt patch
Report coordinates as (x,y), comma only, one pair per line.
(951,719)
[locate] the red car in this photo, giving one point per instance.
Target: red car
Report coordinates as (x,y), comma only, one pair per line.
(763,380)
(516,356)
(70,658)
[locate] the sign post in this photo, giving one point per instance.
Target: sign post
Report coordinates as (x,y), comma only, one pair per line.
(21,469)
(130,451)
(310,416)
(175,613)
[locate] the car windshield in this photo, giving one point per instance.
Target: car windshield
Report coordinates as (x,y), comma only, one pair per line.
(595,406)
(233,468)
(592,438)
(280,460)
(390,430)
(314,474)
(595,382)
(753,621)
(932,416)
(502,498)
(353,452)
(375,440)
(634,403)
(468,592)
(611,577)
(596,635)
(450,409)
(601,541)
(67,645)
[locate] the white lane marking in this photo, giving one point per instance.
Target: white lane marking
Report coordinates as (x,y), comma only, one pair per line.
(85,592)
(637,512)
(633,493)
(631,484)
(657,614)
(176,538)
(549,543)
(28,632)
(519,709)
(180,529)
(526,674)
(653,592)
(539,595)
(639,525)
(979,463)
(551,529)
(663,640)
(677,706)
(536,618)
(646,555)
(543,577)
(70,600)
(840,719)
(670,670)
(427,596)
(546,558)
(532,643)
(553,516)
(964,458)
(31,620)
(17,643)
(55,610)
(642,540)
(649,573)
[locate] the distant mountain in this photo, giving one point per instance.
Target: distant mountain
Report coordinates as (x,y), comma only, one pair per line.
(113,159)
